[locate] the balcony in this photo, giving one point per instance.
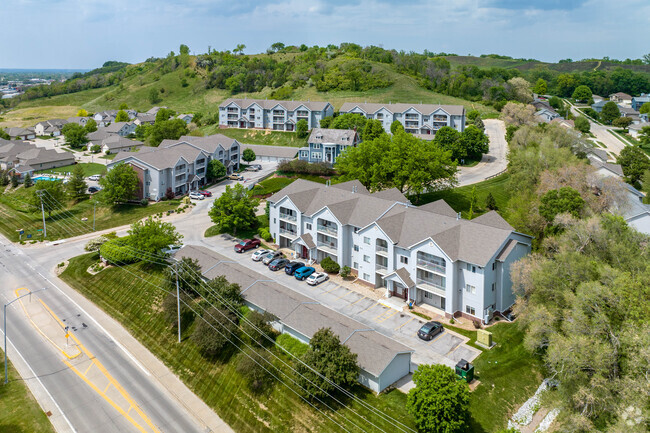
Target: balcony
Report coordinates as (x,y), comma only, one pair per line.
(381,269)
(430,266)
(232,116)
(233,110)
(382,251)
(328,247)
(288,217)
(412,117)
(431,286)
(440,119)
(437,125)
(288,233)
(411,124)
(327,229)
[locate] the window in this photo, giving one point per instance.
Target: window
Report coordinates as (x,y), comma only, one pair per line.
(304,153)
(308,226)
(493,287)
(315,155)
(404,259)
(366,240)
(470,289)
(366,277)
(366,259)
(471,268)
(356,247)
(428,295)
(470,310)
(316,146)
(494,265)
(355,265)
(274,221)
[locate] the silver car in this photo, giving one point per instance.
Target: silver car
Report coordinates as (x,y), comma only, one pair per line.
(259,254)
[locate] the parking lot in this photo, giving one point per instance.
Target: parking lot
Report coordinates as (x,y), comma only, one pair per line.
(446,348)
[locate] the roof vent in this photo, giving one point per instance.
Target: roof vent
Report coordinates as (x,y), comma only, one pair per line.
(354,189)
(457,216)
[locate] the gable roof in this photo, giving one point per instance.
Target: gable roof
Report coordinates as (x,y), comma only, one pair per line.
(333,136)
(426,109)
(284,152)
(161,158)
(268,104)
(621,95)
(116,127)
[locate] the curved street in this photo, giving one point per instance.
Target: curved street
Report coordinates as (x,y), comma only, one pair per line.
(494,162)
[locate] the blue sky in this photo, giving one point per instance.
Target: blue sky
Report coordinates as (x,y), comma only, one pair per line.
(85,33)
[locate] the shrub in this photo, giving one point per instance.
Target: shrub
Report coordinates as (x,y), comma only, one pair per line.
(452,321)
(169,194)
(265,234)
(214,332)
(257,327)
(477,324)
(304,167)
(118,251)
(144,202)
(170,309)
(94,244)
(345,271)
(330,266)
(95,148)
(256,367)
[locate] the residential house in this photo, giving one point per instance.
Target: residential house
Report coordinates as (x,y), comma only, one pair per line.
(629,112)
(423,119)
(96,137)
(179,164)
(271,153)
(187,118)
(17,133)
(121,128)
(382,360)
(327,144)
(638,101)
(78,120)
(635,128)
(272,114)
(621,98)
(563,122)
(143,118)
(51,127)
(25,157)
(115,144)
(546,115)
(154,110)
(597,98)
(425,255)
(104,118)
(598,106)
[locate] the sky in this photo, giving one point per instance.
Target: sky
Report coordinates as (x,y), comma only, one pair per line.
(83,34)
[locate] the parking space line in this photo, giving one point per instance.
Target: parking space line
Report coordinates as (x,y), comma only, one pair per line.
(89,367)
(361,298)
(405,323)
(388,317)
(331,290)
(369,307)
(435,339)
(388,310)
(346,294)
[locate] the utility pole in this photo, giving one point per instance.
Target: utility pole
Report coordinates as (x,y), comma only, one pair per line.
(94,205)
(178,304)
(40,194)
(5,326)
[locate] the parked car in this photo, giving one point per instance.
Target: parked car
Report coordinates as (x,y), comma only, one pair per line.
(247,244)
(205,193)
(196,196)
(94,189)
(236,176)
(252,168)
(278,264)
(430,330)
(272,255)
(94,177)
(303,272)
(259,254)
(317,278)
(257,167)
(171,249)
(293,267)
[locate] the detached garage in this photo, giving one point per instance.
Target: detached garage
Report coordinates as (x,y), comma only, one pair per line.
(271,153)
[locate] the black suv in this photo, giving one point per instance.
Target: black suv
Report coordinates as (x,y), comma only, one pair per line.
(292,267)
(430,330)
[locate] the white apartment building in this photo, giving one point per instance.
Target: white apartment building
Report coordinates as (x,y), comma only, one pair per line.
(425,255)
(271,114)
(423,119)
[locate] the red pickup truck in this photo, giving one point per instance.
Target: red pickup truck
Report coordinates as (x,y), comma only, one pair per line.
(247,244)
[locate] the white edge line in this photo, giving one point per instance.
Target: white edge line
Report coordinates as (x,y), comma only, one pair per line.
(41,383)
(135,361)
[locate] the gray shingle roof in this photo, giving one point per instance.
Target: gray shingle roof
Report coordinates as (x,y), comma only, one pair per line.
(118,142)
(332,136)
(115,127)
(305,315)
(161,158)
(426,109)
(268,104)
(285,152)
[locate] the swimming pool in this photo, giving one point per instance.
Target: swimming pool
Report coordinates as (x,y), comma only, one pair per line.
(46,178)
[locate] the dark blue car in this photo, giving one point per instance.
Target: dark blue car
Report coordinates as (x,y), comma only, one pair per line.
(293,267)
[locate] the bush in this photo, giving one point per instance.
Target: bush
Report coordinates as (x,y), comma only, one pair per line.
(345,271)
(118,251)
(169,194)
(257,327)
(304,167)
(94,244)
(256,367)
(214,332)
(170,310)
(144,202)
(95,148)
(477,324)
(265,234)
(330,266)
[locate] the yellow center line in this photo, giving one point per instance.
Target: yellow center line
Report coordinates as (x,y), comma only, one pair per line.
(405,323)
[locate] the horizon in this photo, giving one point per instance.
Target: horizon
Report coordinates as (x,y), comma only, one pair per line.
(131,33)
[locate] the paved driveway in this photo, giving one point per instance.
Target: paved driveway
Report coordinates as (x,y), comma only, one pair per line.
(493,162)
(447,348)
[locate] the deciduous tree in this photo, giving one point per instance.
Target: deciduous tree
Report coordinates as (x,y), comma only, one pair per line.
(396,127)
(91,126)
(119,185)
(610,112)
(122,116)
(53,196)
(373,129)
(302,128)
(75,135)
(215,331)
(216,169)
(581,123)
(633,162)
(582,93)
(234,209)
(622,122)
(541,87)
(564,200)
(518,114)
(151,236)
(82,113)
(248,155)
(645,108)
(166,129)
(256,367)
(474,141)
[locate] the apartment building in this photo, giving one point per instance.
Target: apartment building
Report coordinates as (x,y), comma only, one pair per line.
(424,119)
(425,255)
(179,164)
(327,144)
(271,114)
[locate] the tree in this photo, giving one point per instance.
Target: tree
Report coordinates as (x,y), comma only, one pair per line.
(119,185)
(166,129)
(490,202)
(581,123)
(14,181)
(354,121)
(189,276)
(277,46)
(53,196)
(473,202)
(216,169)
(239,49)
(184,50)
(95,148)
(645,108)
(91,126)
(76,186)
(222,293)
(154,95)
(622,122)
(215,332)
(634,162)
(474,141)
(556,103)
(582,93)
(541,87)
(27,182)
(234,210)
(75,135)
(448,138)
(151,236)
(256,367)
(258,328)
(170,309)
(644,136)
(373,129)
(520,89)
(4,135)
(164,114)
(248,155)
(610,112)
(396,127)
(564,200)
(302,129)
(439,403)
(82,113)
(122,116)
(123,106)
(518,114)
(329,358)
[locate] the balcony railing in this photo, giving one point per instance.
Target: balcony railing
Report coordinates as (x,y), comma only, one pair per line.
(291,233)
(327,246)
(233,110)
(411,117)
(327,229)
(383,251)
(232,116)
(428,282)
(431,266)
(381,269)
(411,124)
(288,217)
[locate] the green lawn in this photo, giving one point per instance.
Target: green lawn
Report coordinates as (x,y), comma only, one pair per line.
(136,305)
(509,376)
(89,168)
(19,411)
(274,184)
(256,136)
(215,230)
(459,198)
(16,214)
(110,156)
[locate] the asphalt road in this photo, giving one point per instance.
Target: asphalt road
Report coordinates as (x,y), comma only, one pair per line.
(75,405)
(602,133)
(493,162)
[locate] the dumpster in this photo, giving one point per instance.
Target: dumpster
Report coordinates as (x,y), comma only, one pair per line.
(465,371)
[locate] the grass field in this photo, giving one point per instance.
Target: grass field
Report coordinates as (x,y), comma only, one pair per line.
(31,115)
(19,411)
(263,221)
(135,304)
(16,214)
(89,168)
(459,198)
(256,136)
(275,184)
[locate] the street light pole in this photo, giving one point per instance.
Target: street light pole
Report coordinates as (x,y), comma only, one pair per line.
(5,327)
(94,205)
(40,194)
(178,304)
